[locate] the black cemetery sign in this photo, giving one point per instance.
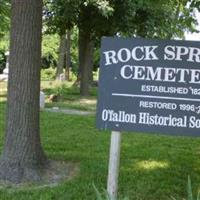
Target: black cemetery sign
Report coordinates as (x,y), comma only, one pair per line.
(149,86)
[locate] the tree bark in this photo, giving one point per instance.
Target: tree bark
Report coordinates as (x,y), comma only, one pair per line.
(23,157)
(91,62)
(84,61)
(68,56)
(62,55)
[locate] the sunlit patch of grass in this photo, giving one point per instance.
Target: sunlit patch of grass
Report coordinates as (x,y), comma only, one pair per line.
(151,164)
(3,98)
(3,85)
(3,91)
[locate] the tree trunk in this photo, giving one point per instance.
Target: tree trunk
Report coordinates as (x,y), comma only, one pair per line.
(78,77)
(91,62)
(84,61)
(68,56)
(62,54)
(22,157)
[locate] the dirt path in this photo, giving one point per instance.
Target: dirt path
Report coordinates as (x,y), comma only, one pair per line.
(69,111)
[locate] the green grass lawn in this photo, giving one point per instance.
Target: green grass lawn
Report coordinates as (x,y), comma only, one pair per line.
(152,167)
(3,91)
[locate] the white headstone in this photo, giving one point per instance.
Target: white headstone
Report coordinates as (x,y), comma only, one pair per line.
(7,54)
(3,77)
(42,100)
(62,77)
(6,71)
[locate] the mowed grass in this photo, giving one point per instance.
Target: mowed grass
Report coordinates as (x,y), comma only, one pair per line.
(152,167)
(3,91)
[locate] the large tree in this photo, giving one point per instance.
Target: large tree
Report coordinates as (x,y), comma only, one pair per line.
(22,157)
(61,15)
(62,55)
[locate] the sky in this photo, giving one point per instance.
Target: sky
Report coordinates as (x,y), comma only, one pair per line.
(194,36)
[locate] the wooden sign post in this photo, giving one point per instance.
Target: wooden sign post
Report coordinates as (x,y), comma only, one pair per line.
(114,162)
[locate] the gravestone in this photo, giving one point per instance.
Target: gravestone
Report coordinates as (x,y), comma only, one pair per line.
(62,77)
(4,76)
(42,100)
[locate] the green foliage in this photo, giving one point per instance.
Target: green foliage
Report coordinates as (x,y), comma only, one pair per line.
(4,42)
(103,6)
(150,18)
(48,74)
(154,19)
(64,91)
(195,4)
(105,195)
(97,18)
(50,45)
(3,49)
(2,61)
(4,17)
(60,15)
(99,195)
(50,48)
(189,191)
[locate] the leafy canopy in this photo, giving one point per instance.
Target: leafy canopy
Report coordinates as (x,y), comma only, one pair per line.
(145,18)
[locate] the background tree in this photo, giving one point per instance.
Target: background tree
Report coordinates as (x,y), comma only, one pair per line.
(59,17)
(97,18)
(68,56)
(22,156)
(150,19)
(93,10)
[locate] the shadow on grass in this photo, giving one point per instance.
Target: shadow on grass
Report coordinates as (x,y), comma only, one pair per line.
(2,103)
(2,107)
(159,166)
(3,95)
